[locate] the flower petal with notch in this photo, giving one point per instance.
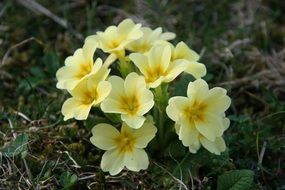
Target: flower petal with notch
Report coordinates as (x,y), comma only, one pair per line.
(202,110)
(182,52)
(77,67)
(130,98)
(125,148)
(115,38)
(149,38)
(89,92)
(156,65)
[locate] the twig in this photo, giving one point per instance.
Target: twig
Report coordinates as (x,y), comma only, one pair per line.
(175,179)
(23,116)
(4,9)
(16,46)
(261,155)
(247,79)
(180,171)
(12,129)
(238,43)
(40,9)
(74,162)
(87,177)
(28,172)
(18,170)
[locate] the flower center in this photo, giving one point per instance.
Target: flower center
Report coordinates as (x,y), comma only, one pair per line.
(125,142)
(130,104)
(89,97)
(114,44)
(154,74)
(195,112)
(84,70)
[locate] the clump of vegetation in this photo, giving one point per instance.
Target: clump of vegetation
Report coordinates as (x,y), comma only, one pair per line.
(242,48)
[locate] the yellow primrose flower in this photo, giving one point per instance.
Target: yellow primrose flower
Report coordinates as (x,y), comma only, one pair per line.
(77,67)
(130,98)
(200,112)
(156,65)
(197,139)
(149,38)
(182,51)
(89,92)
(115,38)
(125,148)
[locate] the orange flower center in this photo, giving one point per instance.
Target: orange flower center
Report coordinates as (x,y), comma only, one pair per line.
(125,142)
(84,70)
(130,104)
(154,74)
(195,112)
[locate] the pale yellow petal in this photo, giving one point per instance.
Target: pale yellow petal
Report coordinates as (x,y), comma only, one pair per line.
(210,127)
(63,75)
(182,51)
(167,36)
(197,89)
(134,84)
(112,106)
(217,100)
(97,65)
(226,123)
(92,39)
(110,59)
(144,134)
(146,101)
(136,160)
(215,147)
(196,69)
(159,58)
(112,162)
(177,128)
(175,68)
(117,87)
(133,121)
(81,90)
(188,134)
(125,26)
(95,78)
(75,59)
(125,129)
(175,107)
(89,48)
(73,108)
(156,32)
(155,83)
(141,61)
(103,136)
(66,77)
(195,146)
(103,90)
(128,27)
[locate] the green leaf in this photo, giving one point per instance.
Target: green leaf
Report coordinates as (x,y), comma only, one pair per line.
(19,146)
(67,180)
(180,85)
(239,119)
(235,180)
(51,61)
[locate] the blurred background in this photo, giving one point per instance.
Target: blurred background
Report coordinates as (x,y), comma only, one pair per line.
(241,42)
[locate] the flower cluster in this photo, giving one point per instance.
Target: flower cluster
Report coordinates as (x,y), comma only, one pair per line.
(145,60)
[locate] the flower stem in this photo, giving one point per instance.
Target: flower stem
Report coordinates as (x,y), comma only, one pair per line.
(161,98)
(125,66)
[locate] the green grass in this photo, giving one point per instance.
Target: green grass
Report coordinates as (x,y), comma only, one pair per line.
(243,48)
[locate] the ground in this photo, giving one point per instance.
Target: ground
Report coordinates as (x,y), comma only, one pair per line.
(242,43)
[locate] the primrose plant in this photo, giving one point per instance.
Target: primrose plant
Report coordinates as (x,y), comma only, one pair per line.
(131,82)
